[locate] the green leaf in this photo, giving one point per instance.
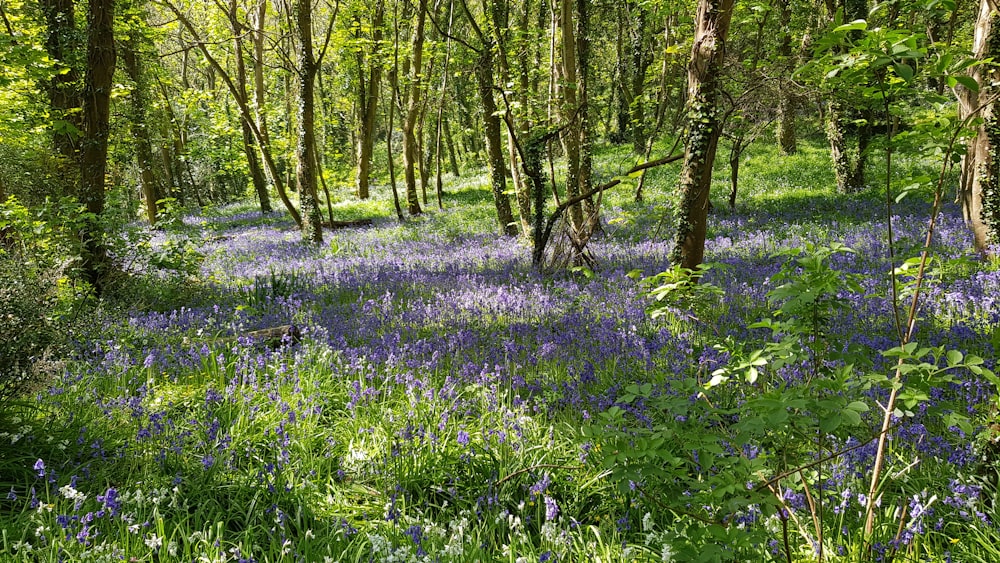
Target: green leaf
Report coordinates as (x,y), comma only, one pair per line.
(831,423)
(851,417)
(954,357)
(856,25)
(903,71)
(858,406)
(966,81)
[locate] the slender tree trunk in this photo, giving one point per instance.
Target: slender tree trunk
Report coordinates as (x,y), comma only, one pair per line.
(96,121)
(140,129)
(368,94)
(786,106)
(442,96)
(305,150)
(711,28)
(585,171)
(259,131)
(249,143)
(980,191)
(411,153)
(494,143)
(522,192)
(449,141)
(570,108)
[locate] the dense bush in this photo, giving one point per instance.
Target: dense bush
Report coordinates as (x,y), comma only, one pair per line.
(37,299)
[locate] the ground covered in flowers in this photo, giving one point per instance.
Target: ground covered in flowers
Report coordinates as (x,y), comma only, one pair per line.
(447,402)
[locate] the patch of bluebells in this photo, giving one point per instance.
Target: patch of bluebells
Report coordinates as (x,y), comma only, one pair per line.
(420,320)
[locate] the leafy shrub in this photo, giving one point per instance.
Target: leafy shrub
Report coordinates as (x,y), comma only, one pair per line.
(35,294)
(766,440)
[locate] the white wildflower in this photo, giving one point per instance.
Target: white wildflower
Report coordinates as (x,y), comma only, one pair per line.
(72,494)
(153,542)
(647,522)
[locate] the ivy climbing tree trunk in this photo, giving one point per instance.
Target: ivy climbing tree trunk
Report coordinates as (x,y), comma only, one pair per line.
(849,160)
(711,28)
(63,44)
(411,151)
(494,142)
(100,70)
(570,105)
(786,106)
(140,129)
(980,191)
(305,147)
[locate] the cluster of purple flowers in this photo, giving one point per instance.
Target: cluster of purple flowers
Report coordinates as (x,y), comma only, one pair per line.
(416,321)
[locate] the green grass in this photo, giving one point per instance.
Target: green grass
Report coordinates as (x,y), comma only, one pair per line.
(303,454)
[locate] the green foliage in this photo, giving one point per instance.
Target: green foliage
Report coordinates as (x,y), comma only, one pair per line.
(679,297)
(266,289)
(37,298)
(769,422)
(179,253)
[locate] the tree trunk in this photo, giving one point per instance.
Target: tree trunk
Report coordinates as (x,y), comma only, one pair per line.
(249,144)
(258,130)
(96,122)
(570,107)
(848,161)
(140,129)
(494,143)
(411,152)
(786,107)
(449,141)
(305,148)
(63,44)
(711,28)
(980,191)
(585,172)
(368,94)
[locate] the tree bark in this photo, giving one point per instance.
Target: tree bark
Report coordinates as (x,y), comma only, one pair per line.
(305,148)
(570,106)
(786,106)
(711,28)
(249,143)
(140,129)
(980,190)
(63,44)
(494,143)
(368,94)
(449,142)
(848,161)
(96,122)
(411,152)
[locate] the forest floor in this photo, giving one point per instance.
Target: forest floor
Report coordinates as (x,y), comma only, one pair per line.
(447,402)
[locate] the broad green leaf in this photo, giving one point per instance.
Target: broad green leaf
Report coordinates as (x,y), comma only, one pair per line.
(966,81)
(851,417)
(954,357)
(903,71)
